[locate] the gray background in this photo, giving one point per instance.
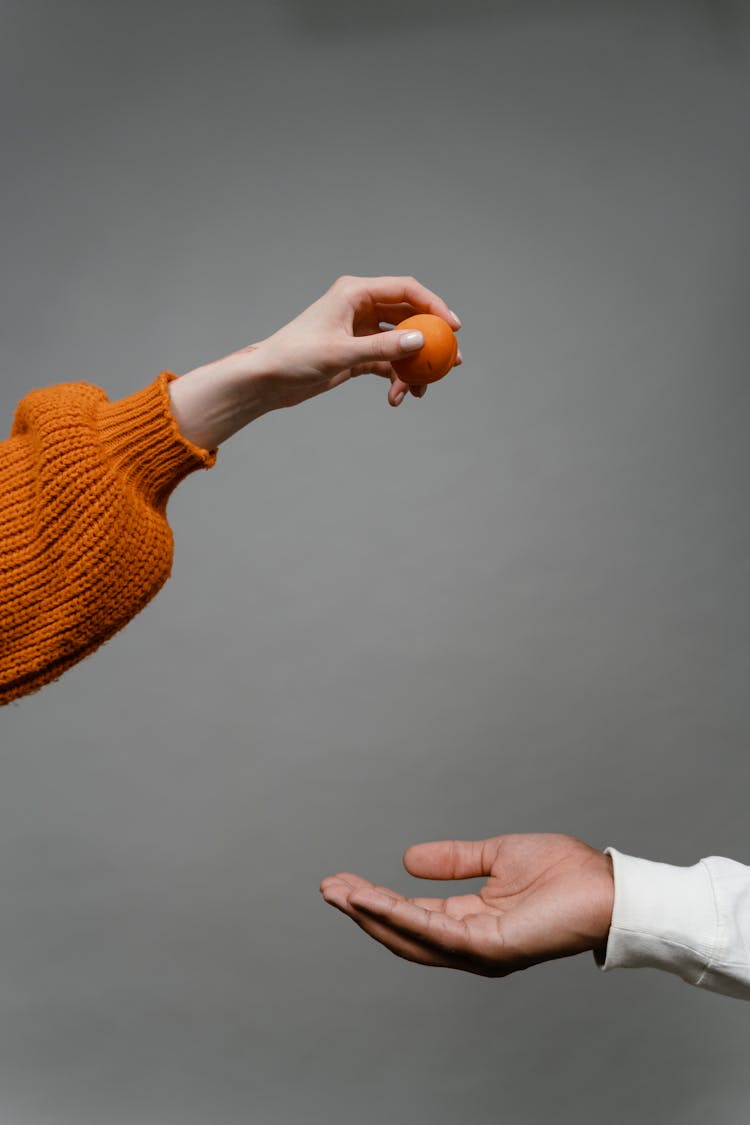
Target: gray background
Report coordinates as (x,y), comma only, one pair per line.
(518,605)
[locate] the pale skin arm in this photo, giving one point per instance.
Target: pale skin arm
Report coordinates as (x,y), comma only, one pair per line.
(335,339)
(546,896)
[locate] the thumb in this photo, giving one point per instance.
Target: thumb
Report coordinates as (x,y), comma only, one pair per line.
(449,859)
(386,346)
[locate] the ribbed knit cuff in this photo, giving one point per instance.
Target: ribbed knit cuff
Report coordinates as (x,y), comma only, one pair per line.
(143,440)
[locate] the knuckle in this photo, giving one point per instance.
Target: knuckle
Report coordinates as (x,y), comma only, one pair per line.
(346,282)
(380,346)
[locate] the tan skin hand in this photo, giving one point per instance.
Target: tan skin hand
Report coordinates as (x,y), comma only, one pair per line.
(546,896)
(340,336)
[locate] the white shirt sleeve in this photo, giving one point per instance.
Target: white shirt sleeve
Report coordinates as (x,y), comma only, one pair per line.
(692,921)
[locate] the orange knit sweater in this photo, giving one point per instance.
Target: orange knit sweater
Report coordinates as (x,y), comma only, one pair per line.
(84,540)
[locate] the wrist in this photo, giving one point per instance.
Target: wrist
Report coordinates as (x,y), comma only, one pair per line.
(603,903)
(214,401)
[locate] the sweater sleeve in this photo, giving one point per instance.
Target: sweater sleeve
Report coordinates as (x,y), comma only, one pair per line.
(691,921)
(84,540)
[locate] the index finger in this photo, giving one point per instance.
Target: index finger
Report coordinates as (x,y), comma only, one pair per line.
(395,290)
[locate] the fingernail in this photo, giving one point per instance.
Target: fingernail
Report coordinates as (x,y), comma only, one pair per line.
(456,318)
(410,341)
(399,398)
(459,357)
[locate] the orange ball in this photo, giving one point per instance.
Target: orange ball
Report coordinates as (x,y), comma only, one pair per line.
(435,358)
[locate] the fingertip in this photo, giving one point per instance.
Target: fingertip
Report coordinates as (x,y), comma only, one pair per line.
(398,390)
(331,890)
(336,896)
(420,860)
(410,341)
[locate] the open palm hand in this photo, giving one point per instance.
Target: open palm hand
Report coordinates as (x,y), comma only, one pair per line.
(546,896)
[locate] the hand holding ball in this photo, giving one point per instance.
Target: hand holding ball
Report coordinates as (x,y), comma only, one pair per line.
(435,358)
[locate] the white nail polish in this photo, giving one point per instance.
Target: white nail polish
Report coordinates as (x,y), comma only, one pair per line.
(456,318)
(410,341)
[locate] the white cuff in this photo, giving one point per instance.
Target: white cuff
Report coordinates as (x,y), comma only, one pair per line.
(691,921)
